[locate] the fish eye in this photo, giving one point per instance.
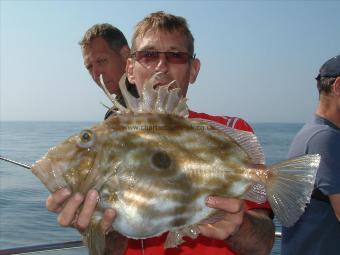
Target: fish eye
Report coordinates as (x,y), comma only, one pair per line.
(86,138)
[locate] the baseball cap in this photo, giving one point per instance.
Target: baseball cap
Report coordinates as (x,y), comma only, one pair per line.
(331,68)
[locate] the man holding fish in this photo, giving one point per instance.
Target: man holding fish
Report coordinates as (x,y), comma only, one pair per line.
(166,54)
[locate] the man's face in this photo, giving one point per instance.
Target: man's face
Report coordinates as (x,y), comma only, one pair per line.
(99,58)
(139,70)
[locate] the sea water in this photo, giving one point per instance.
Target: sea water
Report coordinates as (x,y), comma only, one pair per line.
(24,220)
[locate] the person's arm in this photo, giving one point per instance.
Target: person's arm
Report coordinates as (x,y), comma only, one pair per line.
(327,144)
(335,202)
(245,232)
(259,231)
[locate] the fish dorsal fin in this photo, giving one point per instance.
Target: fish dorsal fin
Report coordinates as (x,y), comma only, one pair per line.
(246,140)
(151,100)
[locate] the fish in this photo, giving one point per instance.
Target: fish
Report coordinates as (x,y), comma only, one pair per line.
(155,167)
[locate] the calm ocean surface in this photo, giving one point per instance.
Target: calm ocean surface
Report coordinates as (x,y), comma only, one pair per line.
(24,220)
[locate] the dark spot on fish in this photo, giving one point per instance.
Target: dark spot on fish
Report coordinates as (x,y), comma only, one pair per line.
(161,160)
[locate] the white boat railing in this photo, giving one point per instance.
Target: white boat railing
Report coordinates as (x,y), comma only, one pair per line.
(57,246)
(42,247)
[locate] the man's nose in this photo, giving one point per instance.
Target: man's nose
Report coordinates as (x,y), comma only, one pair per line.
(162,65)
(96,72)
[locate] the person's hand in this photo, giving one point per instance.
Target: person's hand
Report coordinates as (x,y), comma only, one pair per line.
(230,223)
(76,210)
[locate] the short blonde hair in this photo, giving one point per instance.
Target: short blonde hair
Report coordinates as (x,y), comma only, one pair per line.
(164,22)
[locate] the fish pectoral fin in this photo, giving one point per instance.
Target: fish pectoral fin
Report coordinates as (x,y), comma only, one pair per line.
(94,239)
(175,237)
(99,243)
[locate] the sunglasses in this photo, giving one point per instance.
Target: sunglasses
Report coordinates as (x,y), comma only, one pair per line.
(151,57)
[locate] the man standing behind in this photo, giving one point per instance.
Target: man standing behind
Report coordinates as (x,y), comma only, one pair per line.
(318,230)
(105,51)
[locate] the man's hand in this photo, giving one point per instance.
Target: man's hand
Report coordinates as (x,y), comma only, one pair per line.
(231,222)
(76,210)
(246,232)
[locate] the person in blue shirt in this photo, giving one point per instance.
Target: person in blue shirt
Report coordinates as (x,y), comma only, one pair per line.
(318,230)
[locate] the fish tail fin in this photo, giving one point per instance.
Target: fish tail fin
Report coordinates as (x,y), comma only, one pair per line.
(289,186)
(94,238)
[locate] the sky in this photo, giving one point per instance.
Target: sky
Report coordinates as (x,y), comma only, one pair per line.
(258,58)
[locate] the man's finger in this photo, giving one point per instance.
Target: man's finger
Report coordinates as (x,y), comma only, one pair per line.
(86,212)
(55,201)
(230,205)
(66,216)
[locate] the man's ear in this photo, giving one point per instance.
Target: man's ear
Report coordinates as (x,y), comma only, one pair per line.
(129,70)
(125,52)
(194,69)
(336,87)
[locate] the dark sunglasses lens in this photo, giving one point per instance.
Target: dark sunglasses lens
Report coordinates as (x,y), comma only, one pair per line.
(147,56)
(177,57)
(151,57)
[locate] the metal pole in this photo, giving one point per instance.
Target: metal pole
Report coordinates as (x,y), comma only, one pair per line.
(15,162)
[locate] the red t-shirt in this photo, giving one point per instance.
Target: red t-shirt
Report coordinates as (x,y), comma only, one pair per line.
(202,245)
